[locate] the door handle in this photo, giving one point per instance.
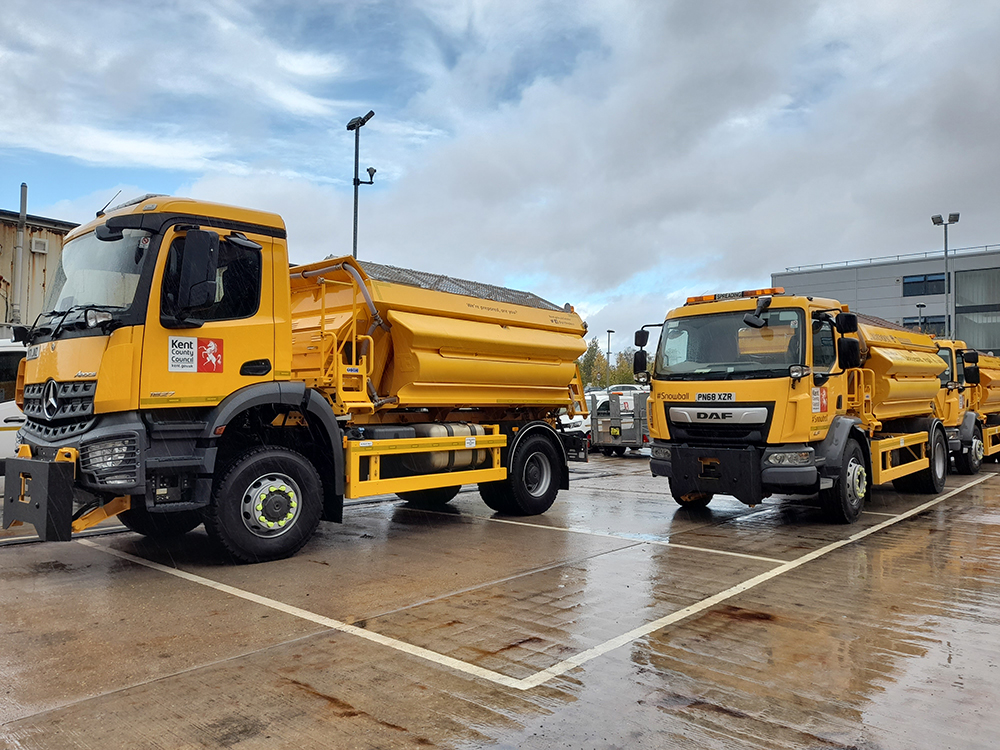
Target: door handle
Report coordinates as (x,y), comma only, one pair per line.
(256,367)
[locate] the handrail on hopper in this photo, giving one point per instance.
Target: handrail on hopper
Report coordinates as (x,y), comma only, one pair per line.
(349,379)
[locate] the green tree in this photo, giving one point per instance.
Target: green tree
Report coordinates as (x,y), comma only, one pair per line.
(593,364)
(622,371)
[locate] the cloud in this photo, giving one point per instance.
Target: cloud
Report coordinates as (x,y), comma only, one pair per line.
(615,155)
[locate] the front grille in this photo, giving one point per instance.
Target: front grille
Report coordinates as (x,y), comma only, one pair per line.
(74,416)
(112,461)
(720,432)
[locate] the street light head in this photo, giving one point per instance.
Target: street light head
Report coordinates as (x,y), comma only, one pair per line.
(921,305)
(366,118)
(953,218)
(936,218)
(357,123)
(371,173)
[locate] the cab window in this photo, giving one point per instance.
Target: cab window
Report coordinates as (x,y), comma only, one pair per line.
(237,282)
(9,361)
(824,346)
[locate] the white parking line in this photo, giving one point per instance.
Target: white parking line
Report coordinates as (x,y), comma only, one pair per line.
(539,678)
(877,513)
(637,538)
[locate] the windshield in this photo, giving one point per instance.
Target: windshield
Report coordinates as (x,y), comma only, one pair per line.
(722,347)
(95,273)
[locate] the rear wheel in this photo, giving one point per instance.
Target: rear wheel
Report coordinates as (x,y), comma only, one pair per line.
(158,525)
(619,450)
(844,501)
(532,479)
(266,506)
(432,498)
(970,462)
(929,481)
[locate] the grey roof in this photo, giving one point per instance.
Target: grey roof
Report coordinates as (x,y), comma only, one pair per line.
(438,283)
(37,222)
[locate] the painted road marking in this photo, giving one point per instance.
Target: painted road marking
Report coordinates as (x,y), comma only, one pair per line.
(639,538)
(545,675)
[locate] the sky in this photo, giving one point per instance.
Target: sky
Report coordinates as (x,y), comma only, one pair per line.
(617,155)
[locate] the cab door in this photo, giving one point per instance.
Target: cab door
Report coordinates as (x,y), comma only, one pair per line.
(198,357)
(829,394)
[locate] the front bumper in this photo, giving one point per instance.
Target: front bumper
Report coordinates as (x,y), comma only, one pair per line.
(741,472)
(40,492)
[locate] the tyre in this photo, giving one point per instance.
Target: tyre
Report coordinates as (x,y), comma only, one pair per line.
(158,525)
(619,450)
(534,475)
(691,499)
(266,505)
(929,481)
(969,462)
(844,502)
(432,498)
(498,497)
(608,451)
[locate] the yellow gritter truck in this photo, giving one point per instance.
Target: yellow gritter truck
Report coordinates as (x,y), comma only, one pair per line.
(758,392)
(969,404)
(184,372)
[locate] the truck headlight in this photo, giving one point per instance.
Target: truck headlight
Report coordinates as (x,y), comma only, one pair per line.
(791,458)
(107,455)
(661,452)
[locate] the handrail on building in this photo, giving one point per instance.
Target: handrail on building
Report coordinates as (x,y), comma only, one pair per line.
(895,258)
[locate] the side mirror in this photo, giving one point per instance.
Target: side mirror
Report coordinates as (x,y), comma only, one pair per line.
(848,351)
(972,374)
(19,333)
(970,357)
(641,338)
(639,363)
(847,322)
(199,260)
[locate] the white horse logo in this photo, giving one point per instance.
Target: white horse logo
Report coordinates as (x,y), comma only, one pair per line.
(211,355)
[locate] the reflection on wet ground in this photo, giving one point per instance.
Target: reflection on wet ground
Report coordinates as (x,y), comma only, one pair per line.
(617,619)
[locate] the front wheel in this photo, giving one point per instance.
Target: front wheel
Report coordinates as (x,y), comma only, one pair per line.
(844,501)
(158,525)
(691,499)
(971,461)
(266,506)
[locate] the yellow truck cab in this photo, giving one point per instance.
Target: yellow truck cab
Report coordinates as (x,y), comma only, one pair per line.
(968,404)
(757,393)
(183,372)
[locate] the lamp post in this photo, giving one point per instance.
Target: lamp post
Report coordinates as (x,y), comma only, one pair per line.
(356,124)
(939,222)
(920,316)
(608,383)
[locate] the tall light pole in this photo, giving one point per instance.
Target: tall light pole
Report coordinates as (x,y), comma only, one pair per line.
(920,317)
(356,124)
(608,383)
(938,221)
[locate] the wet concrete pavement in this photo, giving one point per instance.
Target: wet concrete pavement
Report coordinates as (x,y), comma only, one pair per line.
(615,620)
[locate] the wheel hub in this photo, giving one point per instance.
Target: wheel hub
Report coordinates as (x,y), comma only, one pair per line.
(978,452)
(270,505)
(857,478)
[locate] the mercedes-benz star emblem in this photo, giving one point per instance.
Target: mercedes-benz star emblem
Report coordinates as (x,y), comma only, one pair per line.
(50,400)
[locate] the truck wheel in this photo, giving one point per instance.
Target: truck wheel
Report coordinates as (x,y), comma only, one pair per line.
(534,475)
(158,525)
(844,501)
(619,450)
(433,498)
(969,463)
(929,481)
(691,499)
(497,496)
(608,451)
(266,506)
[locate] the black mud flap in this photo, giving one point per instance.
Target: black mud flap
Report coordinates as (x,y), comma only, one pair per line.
(39,493)
(720,471)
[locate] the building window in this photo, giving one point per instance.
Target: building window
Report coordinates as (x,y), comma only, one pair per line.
(916,286)
(928,324)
